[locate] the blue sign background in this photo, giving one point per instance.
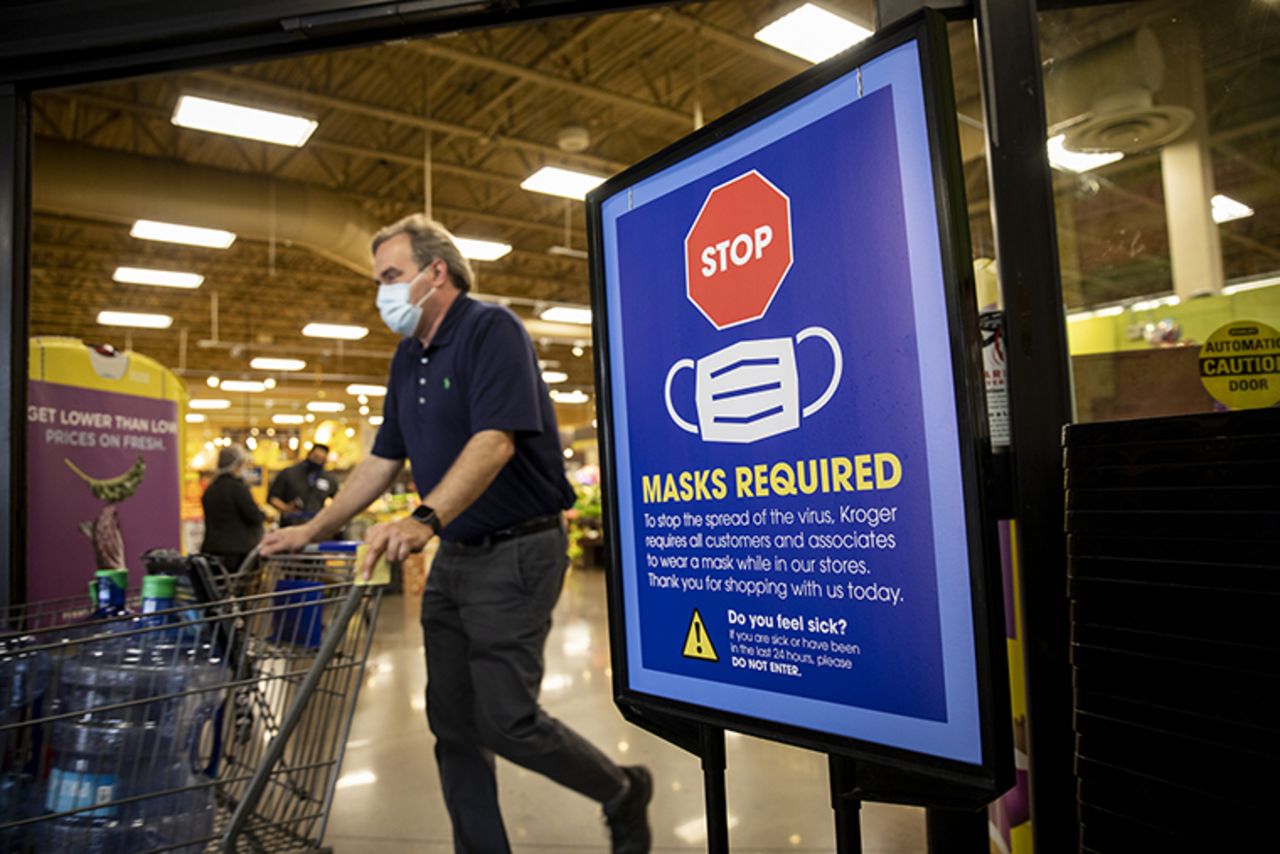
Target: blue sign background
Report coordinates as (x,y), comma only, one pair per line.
(848,239)
(854,158)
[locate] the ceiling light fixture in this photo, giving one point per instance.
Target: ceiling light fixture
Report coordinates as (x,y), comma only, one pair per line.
(162,278)
(209,403)
(375,420)
(267,363)
(1110,311)
(191,235)
(555,181)
(231,119)
(196,418)
(553,377)
(570,397)
(1251,285)
(324,405)
(335,330)
(481,250)
(1226,209)
(813,33)
(287,419)
(566,314)
(1077,161)
(252,386)
(1158,302)
(134,318)
(368,390)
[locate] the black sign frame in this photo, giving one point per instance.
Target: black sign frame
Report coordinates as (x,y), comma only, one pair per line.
(893,774)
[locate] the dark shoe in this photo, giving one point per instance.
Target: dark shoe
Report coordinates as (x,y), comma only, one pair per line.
(628,819)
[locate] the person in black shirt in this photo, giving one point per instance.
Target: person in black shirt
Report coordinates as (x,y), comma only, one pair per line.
(300,491)
(467,406)
(232,520)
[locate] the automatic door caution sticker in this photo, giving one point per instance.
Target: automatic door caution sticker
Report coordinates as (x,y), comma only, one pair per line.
(696,643)
(1240,365)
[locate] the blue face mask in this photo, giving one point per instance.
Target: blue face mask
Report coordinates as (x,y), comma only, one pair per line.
(400,315)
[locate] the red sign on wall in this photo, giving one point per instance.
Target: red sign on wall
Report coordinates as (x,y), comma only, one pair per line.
(739,250)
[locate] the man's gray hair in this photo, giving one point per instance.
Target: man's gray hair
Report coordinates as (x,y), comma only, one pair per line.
(430,240)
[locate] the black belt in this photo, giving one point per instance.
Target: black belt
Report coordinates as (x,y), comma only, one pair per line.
(524,529)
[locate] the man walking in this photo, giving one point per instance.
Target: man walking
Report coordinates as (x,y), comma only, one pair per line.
(466,405)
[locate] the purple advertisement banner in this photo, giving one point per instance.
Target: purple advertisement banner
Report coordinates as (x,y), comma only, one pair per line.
(102,485)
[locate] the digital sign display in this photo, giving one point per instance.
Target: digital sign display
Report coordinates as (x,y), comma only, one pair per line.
(791,422)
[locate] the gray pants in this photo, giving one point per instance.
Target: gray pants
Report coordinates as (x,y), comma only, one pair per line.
(486,613)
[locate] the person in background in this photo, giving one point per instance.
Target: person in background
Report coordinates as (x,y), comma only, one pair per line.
(232,520)
(467,406)
(301,491)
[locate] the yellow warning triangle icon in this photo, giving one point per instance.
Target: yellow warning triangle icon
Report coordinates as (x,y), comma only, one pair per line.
(697,644)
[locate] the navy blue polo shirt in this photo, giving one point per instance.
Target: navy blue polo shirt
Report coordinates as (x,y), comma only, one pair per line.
(479,372)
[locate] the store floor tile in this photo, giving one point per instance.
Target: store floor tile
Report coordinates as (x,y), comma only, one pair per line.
(389,800)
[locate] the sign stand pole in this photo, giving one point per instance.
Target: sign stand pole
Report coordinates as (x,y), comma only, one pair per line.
(711,740)
(846,803)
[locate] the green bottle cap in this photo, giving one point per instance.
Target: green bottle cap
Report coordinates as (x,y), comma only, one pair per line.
(159,586)
(118,577)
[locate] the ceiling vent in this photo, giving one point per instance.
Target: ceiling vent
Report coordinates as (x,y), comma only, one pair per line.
(1103,99)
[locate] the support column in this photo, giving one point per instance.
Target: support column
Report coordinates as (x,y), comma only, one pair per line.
(15,182)
(1195,250)
(1022,207)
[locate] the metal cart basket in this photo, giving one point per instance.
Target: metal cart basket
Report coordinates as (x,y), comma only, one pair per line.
(217,724)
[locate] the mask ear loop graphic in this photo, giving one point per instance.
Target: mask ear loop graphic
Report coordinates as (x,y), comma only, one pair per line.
(666,393)
(804,335)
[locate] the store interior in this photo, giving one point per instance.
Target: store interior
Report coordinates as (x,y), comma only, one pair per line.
(1162,119)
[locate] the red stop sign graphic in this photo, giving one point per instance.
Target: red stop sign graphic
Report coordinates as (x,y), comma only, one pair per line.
(738,250)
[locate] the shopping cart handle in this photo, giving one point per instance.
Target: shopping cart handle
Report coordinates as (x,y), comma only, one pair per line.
(344,546)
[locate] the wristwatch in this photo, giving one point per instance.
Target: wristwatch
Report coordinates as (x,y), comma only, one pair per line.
(428,517)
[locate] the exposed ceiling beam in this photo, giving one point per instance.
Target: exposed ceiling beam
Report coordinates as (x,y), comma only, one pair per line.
(398,117)
(553,81)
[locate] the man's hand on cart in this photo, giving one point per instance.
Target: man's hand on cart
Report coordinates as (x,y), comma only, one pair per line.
(286,540)
(394,540)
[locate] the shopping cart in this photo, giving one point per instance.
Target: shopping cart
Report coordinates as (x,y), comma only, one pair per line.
(218,723)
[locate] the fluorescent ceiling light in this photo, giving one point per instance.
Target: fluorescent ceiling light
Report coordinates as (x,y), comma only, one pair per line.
(326,406)
(811,32)
(481,250)
(1109,311)
(266,363)
(567,314)
(196,418)
(375,420)
(287,419)
(369,390)
(171,232)
(163,278)
(243,385)
(134,318)
(1251,285)
(1077,161)
(562,182)
(209,403)
(335,330)
(575,396)
(1149,304)
(246,122)
(552,377)
(1225,209)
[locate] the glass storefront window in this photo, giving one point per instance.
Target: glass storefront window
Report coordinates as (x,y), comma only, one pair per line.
(1163,119)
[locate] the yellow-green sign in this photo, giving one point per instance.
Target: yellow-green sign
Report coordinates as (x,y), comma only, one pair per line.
(1240,365)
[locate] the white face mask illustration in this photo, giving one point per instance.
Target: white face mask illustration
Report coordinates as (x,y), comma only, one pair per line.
(749,390)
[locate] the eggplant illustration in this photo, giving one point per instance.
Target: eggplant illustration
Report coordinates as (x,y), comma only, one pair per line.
(104,531)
